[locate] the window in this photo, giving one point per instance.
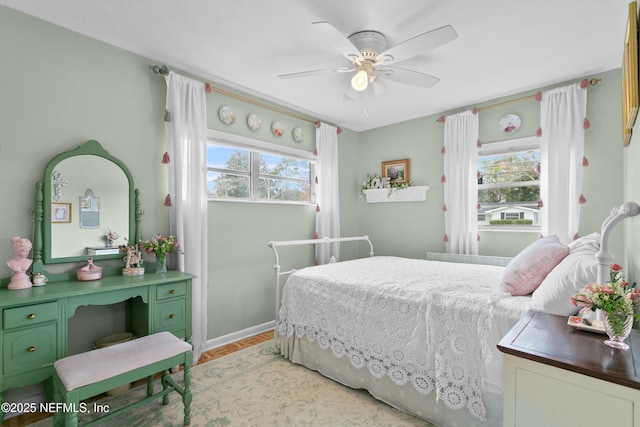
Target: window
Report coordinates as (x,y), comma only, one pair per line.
(509,184)
(242,169)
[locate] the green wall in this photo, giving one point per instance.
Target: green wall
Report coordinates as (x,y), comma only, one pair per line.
(411,229)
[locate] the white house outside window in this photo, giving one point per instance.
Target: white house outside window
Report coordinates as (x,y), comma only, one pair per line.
(509,185)
(241,168)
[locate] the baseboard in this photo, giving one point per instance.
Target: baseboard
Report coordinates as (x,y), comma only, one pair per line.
(238,335)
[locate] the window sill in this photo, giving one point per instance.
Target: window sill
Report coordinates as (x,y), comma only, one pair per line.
(507,229)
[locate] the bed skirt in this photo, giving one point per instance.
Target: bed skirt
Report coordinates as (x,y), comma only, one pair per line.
(405,398)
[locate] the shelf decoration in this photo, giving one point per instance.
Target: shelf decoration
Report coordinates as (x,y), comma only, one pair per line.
(416,193)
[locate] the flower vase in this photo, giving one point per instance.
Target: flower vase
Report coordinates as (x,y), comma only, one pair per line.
(617,325)
(161,264)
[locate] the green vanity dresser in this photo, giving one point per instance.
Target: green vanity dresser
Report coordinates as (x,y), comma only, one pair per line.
(34,330)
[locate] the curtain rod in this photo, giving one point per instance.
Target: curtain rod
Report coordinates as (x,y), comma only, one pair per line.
(440,119)
(162,69)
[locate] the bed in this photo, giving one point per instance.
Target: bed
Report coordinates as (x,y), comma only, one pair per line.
(419,334)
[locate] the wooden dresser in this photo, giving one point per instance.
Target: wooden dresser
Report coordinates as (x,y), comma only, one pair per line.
(557,375)
(34,321)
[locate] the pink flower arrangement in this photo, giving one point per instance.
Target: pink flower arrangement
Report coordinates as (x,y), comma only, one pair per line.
(613,297)
(160,246)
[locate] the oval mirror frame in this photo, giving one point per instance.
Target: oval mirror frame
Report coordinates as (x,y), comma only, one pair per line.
(42,245)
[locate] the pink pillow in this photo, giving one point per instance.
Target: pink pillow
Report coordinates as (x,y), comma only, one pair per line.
(528,269)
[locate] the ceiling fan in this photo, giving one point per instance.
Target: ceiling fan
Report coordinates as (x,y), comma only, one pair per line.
(371,62)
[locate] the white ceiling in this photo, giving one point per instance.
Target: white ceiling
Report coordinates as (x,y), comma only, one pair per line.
(503,46)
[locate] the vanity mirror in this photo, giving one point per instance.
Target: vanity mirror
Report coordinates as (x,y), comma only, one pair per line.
(97,191)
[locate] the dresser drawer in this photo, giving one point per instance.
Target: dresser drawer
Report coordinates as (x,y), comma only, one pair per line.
(30,348)
(30,315)
(171,315)
(171,290)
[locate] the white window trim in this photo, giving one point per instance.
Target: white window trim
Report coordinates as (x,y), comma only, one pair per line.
(246,143)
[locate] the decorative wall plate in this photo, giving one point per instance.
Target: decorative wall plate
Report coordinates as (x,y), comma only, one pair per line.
(254,122)
(298,135)
(227,116)
(277,128)
(509,123)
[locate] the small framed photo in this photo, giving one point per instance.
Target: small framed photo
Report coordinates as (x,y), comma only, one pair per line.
(60,212)
(396,170)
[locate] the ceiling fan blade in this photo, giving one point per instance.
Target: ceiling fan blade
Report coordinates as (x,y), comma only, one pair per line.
(420,44)
(316,72)
(410,77)
(336,39)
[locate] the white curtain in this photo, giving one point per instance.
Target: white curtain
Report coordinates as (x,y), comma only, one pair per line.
(461,183)
(327,192)
(186,134)
(562,116)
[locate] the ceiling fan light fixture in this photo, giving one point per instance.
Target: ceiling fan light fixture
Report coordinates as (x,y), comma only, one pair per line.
(360,80)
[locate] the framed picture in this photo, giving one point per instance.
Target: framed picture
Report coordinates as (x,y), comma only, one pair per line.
(630,96)
(60,212)
(396,170)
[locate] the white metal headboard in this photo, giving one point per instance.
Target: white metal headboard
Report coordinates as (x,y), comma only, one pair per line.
(325,240)
(604,258)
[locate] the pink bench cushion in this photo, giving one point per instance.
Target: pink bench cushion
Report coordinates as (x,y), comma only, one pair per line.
(97,365)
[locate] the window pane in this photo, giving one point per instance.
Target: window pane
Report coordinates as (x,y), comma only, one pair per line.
(283,166)
(279,189)
(220,157)
(510,167)
(227,185)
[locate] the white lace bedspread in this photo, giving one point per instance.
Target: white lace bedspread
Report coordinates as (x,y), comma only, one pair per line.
(434,324)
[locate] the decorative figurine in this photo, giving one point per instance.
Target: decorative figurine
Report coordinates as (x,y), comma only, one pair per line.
(19,264)
(39,280)
(133,262)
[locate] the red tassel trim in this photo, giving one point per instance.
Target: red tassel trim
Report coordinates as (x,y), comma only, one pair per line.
(539,96)
(479,206)
(539,132)
(443,150)
(339,131)
(207,88)
(315,151)
(540,204)
(446,238)
(444,208)
(584,84)
(165,158)
(582,200)
(478,174)
(317,207)
(474,111)
(585,162)
(443,179)
(440,119)
(479,144)
(587,124)
(576,236)
(318,124)
(315,235)
(316,180)
(167,200)
(478,237)
(538,168)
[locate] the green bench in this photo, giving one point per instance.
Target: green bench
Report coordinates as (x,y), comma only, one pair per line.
(89,374)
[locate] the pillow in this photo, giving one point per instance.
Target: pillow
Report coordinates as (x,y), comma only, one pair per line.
(527,270)
(574,272)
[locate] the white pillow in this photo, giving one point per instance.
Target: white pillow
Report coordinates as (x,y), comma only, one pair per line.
(526,271)
(578,269)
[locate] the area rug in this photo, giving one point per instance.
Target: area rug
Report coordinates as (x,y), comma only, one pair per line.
(257,387)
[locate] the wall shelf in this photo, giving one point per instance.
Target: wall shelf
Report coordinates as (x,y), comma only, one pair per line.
(386,195)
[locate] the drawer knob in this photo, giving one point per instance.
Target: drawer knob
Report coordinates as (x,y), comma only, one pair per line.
(31,349)
(31,316)
(172,316)
(172,291)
